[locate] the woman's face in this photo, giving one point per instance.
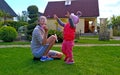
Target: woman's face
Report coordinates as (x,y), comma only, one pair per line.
(42,21)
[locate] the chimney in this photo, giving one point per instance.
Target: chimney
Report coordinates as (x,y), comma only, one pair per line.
(68,2)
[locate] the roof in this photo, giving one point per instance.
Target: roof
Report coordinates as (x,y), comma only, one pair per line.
(89,8)
(6,8)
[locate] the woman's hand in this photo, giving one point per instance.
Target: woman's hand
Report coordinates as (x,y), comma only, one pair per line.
(45,28)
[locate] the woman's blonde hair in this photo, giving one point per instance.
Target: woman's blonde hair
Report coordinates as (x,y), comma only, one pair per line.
(42,17)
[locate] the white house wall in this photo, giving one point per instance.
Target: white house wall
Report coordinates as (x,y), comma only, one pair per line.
(80,26)
(51,25)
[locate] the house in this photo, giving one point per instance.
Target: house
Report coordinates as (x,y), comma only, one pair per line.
(7,9)
(89,9)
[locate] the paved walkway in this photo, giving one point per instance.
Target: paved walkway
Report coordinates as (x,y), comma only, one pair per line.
(87,45)
(59,45)
(116,37)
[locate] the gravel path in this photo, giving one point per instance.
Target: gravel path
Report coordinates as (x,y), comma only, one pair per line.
(9,46)
(59,45)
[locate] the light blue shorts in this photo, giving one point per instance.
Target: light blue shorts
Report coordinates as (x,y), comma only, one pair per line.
(38,53)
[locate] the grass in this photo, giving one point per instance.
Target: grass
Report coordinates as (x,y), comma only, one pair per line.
(15,43)
(96,41)
(95,60)
(79,41)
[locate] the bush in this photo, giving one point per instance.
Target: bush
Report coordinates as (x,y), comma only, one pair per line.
(15,24)
(116,32)
(58,33)
(30,30)
(8,33)
(1,23)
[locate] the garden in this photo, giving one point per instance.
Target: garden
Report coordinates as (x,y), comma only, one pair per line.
(100,59)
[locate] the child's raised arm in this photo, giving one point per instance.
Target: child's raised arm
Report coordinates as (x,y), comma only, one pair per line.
(58,20)
(71,23)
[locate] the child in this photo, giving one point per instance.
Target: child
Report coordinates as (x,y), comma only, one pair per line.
(68,36)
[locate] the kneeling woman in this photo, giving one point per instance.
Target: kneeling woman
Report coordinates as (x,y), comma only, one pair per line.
(40,44)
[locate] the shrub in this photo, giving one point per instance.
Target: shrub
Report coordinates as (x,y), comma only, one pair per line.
(8,33)
(30,30)
(15,24)
(58,33)
(1,23)
(116,32)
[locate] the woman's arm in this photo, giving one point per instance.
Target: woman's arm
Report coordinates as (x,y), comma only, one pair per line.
(45,35)
(42,39)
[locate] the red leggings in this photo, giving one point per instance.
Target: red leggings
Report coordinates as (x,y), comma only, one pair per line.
(67,47)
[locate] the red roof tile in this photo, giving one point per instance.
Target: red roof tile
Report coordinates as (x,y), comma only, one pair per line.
(89,8)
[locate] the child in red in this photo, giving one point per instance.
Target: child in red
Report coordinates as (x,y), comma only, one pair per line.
(68,36)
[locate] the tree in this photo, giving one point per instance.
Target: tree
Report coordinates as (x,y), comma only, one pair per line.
(4,15)
(33,15)
(115,23)
(1,13)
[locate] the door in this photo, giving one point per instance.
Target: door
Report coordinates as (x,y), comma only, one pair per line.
(86,27)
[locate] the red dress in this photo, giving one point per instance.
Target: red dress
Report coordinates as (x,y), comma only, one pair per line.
(68,33)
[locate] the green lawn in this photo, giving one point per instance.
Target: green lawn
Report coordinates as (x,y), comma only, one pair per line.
(95,60)
(77,41)
(15,43)
(96,41)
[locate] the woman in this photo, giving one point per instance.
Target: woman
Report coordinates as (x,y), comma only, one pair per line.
(40,44)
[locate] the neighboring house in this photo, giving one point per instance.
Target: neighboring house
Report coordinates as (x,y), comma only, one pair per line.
(89,9)
(7,9)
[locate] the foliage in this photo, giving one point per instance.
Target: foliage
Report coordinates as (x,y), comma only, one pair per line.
(33,11)
(8,33)
(33,20)
(15,24)
(115,20)
(115,23)
(20,18)
(1,23)
(58,33)
(116,32)
(30,30)
(4,14)
(1,13)
(33,15)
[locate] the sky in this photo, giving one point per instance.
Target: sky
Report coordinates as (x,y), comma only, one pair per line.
(107,8)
